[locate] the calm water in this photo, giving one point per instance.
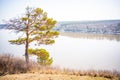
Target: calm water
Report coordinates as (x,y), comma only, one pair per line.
(72,52)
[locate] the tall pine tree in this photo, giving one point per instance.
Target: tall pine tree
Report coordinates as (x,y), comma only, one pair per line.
(36,26)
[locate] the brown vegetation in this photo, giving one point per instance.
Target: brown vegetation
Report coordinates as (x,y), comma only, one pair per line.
(12,65)
(37,76)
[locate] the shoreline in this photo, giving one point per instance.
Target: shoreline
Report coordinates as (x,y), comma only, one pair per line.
(91,36)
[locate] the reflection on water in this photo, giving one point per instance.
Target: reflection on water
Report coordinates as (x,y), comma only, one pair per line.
(83,52)
(92,36)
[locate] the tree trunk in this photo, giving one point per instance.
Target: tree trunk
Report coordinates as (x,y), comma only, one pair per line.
(26,52)
(26,46)
(27,38)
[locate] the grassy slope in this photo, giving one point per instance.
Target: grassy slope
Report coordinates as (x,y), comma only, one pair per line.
(36,76)
(19,70)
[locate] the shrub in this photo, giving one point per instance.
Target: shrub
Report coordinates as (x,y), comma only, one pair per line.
(10,65)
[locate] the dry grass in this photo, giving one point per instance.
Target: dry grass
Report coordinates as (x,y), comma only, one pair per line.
(37,76)
(11,65)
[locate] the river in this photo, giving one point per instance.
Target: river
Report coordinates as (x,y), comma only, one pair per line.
(73,51)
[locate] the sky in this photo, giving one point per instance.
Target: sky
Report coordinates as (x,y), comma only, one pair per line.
(63,10)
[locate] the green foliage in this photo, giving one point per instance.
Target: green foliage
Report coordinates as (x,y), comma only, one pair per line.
(43,56)
(24,18)
(42,53)
(45,62)
(49,61)
(18,41)
(38,10)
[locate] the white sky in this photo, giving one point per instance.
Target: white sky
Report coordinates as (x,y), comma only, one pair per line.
(64,10)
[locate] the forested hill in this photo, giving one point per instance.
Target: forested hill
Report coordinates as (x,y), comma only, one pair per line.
(97,27)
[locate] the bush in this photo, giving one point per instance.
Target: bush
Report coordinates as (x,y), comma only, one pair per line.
(10,65)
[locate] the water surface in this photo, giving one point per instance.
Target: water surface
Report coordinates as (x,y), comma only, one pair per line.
(72,52)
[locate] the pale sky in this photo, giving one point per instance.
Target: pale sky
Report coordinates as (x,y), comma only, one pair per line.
(64,10)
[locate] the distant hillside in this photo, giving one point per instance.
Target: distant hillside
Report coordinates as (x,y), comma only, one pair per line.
(97,27)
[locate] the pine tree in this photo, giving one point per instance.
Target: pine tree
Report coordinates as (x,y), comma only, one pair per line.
(36,26)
